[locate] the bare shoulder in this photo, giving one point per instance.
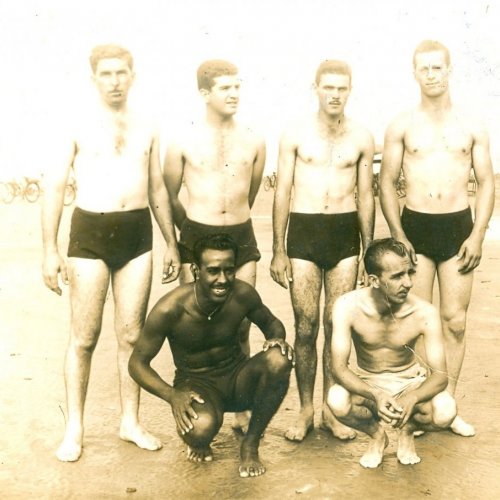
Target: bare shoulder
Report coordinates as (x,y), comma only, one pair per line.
(470,121)
(400,123)
(297,130)
(424,309)
(244,291)
(172,304)
(361,134)
(351,301)
(250,134)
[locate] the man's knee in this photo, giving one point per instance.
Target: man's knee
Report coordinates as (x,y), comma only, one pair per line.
(205,428)
(277,364)
(455,323)
(127,332)
(444,409)
(339,401)
(306,327)
(84,343)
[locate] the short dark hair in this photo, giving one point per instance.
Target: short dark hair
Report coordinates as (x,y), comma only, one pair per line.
(431,46)
(333,66)
(110,51)
(208,71)
(377,249)
(218,241)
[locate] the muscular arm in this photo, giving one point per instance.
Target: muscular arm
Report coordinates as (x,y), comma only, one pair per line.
(160,204)
(366,202)
(173,171)
(258,170)
(146,348)
(392,161)
(470,252)
(280,266)
(53,202)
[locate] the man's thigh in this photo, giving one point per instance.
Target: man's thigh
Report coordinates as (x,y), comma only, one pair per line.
(455,288)
(131,289)
(88,283)
(340,279)
(423,280)
(305,289)
(248,272)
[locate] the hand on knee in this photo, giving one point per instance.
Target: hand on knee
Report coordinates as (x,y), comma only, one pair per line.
(444,410)
(278,365)
(339,401)
(205,428)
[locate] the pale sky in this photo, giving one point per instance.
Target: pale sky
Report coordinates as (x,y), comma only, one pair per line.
(44,46)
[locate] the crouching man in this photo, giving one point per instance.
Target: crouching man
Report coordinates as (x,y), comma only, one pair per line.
(389,385)
(213,374)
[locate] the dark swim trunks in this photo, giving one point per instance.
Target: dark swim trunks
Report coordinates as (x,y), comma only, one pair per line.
(437,236)
(242,234)
(324,239)
(114,237)
(218,383)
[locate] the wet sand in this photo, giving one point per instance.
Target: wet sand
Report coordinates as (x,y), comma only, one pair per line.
(33,338)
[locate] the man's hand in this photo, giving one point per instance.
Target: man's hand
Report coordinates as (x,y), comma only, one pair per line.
(388,408)
(409,246)
(470,254)
(53,264)
(281,269)
(407,404)
(182,410)
(285,347)
(171,265)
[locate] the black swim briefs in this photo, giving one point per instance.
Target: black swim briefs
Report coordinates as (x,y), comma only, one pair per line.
(242,234)
(324,239)
(218,383)
(114,237)
(437,236)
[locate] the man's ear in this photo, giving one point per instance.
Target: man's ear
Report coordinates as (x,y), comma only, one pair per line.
(194,271)
(374,280)
(205,94)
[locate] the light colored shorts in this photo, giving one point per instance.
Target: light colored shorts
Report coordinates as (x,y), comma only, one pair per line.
(395,383)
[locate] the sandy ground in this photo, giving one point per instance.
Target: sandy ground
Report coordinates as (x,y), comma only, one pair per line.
(33,338)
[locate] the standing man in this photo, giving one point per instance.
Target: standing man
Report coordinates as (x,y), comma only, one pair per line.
(201,321)
(221,163)
(437,145)
(384,322)
(326,159)
(114,154)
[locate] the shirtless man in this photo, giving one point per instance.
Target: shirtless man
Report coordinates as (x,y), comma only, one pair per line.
(325,158)
(214,375)
(114,154)
(221,163)
(384,321)
(437,145)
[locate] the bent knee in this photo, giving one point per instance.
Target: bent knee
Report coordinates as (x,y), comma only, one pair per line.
(444,409)
(455,324)
(277,363)
(339,400)
(205,427)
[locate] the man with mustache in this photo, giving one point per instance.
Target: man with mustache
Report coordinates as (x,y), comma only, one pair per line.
(201,321)
(221,163)
(389,386)
(326,159)
(436,145)
(113,150)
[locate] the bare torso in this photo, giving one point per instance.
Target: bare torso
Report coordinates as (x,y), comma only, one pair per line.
(437,161)
(111,162)
(218,168)
(385,342)
(325,171)
(196,343)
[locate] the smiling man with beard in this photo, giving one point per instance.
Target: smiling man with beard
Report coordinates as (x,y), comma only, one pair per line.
(213,374)
(384,322)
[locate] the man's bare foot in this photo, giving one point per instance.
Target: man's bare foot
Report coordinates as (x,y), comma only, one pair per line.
(70,449)
(338,429)
(241,421)
(418,433)
(250,464)
(303,425)
(140,436)
(373,456)
(462,428)
(407,454)
(199,454)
